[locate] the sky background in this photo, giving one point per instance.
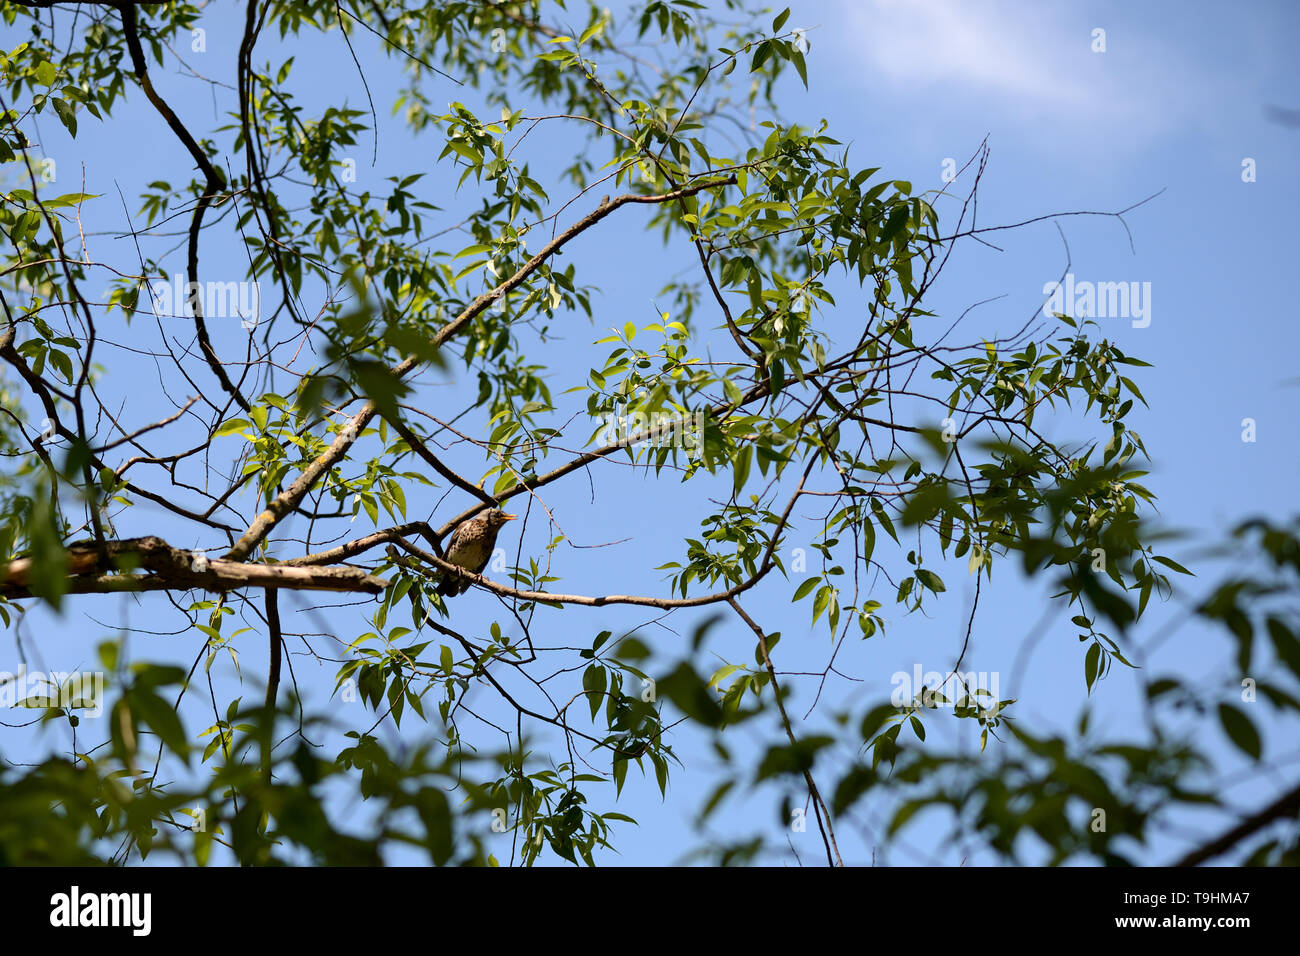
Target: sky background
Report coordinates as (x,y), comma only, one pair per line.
(1175,105)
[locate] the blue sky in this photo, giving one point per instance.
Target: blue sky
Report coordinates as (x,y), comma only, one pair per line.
(1176,102)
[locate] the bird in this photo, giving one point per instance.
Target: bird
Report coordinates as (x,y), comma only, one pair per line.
(470,547)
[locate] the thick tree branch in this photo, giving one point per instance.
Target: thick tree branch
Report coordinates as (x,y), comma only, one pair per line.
(275,639)
(174,569)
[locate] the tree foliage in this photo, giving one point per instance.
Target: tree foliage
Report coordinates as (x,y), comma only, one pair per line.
(792,387)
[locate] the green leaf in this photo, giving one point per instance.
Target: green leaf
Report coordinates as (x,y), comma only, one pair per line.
(1240,730)
(1170,563)
(821,601)
(805,589)
(661,772)
(719,794)
(1285,644)
(744,458)
(945,531)
(904,589)
(800,67)
(67,114)
(159,716)
(1092,665)
(883,517)
(905,813)
(593,684)
(930,580)
(722,673)
(233,426)
(868,541)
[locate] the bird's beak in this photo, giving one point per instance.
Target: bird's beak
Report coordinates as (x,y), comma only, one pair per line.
(509,517)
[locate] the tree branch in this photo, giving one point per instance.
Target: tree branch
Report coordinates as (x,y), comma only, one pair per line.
(819,805)
(174,569)
(289,499)
(214,184)
(1288,805)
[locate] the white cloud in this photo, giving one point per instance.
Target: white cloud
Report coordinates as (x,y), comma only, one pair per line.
(1028,63)
(935,42)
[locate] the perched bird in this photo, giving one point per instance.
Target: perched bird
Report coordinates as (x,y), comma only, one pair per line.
(470,547)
